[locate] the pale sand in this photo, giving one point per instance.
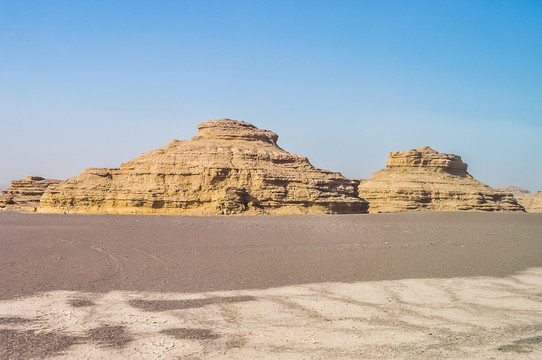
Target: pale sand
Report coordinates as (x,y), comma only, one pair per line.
(457,318)
(396,286)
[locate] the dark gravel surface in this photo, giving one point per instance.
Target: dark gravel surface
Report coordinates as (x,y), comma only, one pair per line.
(100,253)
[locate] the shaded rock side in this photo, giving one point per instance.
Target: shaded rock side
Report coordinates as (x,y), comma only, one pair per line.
(230,167)
(25,194)
(424,179)
(532,202)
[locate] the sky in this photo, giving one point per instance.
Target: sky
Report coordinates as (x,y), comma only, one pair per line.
(97,83)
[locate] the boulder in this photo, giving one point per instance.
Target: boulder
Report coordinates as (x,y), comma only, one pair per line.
(424,179)
(230,167)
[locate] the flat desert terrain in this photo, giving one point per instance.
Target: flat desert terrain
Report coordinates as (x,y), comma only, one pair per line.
(383,286)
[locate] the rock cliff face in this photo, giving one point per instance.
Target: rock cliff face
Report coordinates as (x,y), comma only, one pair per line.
(532,202)
(230,167)
(425,179)
(25,194)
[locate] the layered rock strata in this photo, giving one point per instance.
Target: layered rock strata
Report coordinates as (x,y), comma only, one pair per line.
(518,192)
(230,167)
(532,202)
(25,194)
(424,179)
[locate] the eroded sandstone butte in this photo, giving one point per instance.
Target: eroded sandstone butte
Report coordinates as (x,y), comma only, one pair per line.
(229,167)
(25,194)
(424,179)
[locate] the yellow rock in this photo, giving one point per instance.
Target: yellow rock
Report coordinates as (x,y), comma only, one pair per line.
(532,202)
(230,167)
(424,179)
(25,194)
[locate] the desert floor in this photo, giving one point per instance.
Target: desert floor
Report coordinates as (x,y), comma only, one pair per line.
(382,286)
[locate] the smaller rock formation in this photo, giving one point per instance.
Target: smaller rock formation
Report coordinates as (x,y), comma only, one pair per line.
(424,179)
(25,194)
(532,202)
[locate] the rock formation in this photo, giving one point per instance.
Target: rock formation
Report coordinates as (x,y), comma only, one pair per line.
(518,192)
(532,202)
(230,167)
(25,194)
(425,179)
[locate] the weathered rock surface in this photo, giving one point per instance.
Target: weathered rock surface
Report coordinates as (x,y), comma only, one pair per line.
(425,179)
(518,192)
(230,167)
(532,202)
(25,194)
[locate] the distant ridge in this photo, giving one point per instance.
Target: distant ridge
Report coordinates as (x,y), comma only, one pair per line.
(518,192)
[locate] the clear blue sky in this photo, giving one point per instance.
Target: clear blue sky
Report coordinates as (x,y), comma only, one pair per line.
(96,83)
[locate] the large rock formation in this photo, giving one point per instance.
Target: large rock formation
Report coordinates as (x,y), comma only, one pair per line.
(229,167)
(25,194)
(425,179)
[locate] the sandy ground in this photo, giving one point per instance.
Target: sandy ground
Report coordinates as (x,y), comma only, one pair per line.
(383,286)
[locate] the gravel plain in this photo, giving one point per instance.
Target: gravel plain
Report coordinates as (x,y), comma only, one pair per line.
(410,285)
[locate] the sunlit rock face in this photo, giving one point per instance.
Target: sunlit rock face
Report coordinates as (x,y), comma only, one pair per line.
(424,179)
(532,202)
(24,195)
(230,167)
(427,159)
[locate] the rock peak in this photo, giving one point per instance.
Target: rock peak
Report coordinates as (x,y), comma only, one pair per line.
(426,149)
(228,129)
(425,158)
